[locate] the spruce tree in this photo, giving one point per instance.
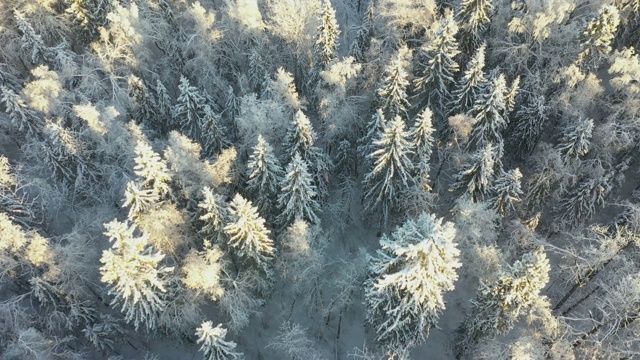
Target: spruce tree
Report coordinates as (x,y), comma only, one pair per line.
(475,14)
(507,190)
(437,66)
(476,176)
(22,117)
(214,346)
(598,36)
(212,133)
(264,174)
(164,122)
(328,33)
(31,41)
(489,114)
(138,200)
(152,170)
(146,108)
(391,167)
(247,234)
(471,84)
(214,214)
(530,121)
(500,304)
(374,129)
(134,271)
(407,280)
(362,41)
(580,203)
(422,141)
(188,110)
(297,195)
(299,138)
(392,95)
(576,139)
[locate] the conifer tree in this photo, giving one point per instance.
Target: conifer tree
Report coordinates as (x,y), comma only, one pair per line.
(214,346)
(90,15)
(580,204)
(489,111)
(471,84)
(598,36)
(326,46)
(146,109)
(151,169)
(22,117)
(188,110)
(422,141)
(297,196)
(135,274)
(475,14)
(362,41)
(437,66)
(31,41)
(138,200)
(476,176)
(164,120)
(264,174)
(510,96)
(407,280)
(499,305)
(215,215)
(392,95)
(391,167)
(507,190)
(212,133)
(576,139)
(530,121)
(247,233)
(374,129)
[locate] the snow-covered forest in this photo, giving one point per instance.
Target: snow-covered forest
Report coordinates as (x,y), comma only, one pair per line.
(319,179)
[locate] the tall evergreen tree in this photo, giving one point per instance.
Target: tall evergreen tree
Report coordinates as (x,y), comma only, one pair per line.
(188,110)
(264,174)
(407,280)
(507,190)
(422,141)
(164,121)
(22,117)
(475,14)
(214,214)
(471,84)
(392,94)
(146,108)
(576,139)
(437,66)
(134,271)
(297,196)
(328,33)
(598,36)
(580,203)
(530,121)
(391,167)
(374,129)
(212,133)
(247,233)
(499,305)
(214,346)
(489,111)
(151,169)
(476,176)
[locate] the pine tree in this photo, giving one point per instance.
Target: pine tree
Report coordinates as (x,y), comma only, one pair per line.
(507,190)
(392,95)
(471,84)
(580,204)
(476,176)
(31,41)
(391,167)
(264,174)
(214,346)
(135,274)
(361,43)
(164,120)
(22,117)
(510,96)
(437,65)
(299,138)
(152,170)
(499,305)
(297,196)
(598,36)
(374,129)
(326,46)
(475,14)
(489,111)
(212,133)
(138,200)
(576,139)
(215,215)
(530,121)
(247,233)
(146,109)
(422,141)
(407,280)
(188,110)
